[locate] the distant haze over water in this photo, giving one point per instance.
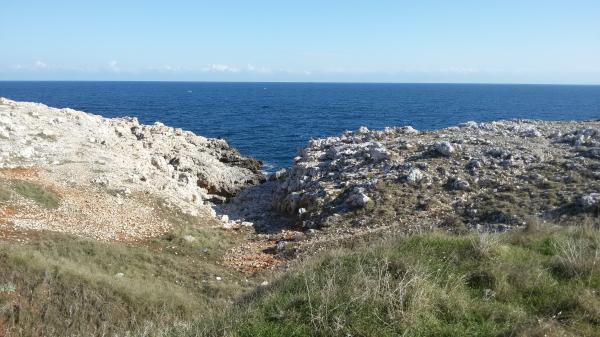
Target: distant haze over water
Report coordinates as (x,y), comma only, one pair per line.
(271,121)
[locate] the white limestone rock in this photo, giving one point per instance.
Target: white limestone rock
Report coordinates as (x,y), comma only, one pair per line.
(589,200)
(121,152)
(358,199)
(27,152)
(415,176)
(443,148)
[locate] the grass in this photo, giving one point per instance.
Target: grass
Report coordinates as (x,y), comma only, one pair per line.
(542,281)
(534,283)
(39,194)
(63,286)
(5,194)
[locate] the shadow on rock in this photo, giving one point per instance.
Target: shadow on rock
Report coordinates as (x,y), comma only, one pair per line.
(254,205)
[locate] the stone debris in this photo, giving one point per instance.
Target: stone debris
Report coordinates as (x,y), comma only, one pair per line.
(27,152)
(443,149)
(592,199)
(415,176)
(458,184)
(254,256)
(479,173)
(358,199)
(117,162)
(480,176)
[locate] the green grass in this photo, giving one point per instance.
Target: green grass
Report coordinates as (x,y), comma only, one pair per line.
(39,194)
(5,194)
(544,283)
(63,286)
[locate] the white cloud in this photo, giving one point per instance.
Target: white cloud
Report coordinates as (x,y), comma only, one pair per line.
(294,71)
(221,68)
(261,70)
(167,68)
(40,65)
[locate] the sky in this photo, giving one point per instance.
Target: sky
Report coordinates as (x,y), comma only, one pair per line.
(447,41)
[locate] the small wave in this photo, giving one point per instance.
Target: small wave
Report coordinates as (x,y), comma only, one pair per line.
(267,168)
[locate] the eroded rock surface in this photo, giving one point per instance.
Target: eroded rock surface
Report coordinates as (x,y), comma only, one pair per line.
(111,172)
(131,164)
(492,176)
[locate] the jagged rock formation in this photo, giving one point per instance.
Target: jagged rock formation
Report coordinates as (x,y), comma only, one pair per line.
(489,175)
(111,172)
(71,150)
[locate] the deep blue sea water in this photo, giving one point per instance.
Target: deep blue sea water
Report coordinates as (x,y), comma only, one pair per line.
(271,121)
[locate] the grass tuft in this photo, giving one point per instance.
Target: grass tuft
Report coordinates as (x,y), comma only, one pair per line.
(39,194)
(5,194)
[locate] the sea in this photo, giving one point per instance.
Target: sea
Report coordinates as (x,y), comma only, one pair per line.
(272,121)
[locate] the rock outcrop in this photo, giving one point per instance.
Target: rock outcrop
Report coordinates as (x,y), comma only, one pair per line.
(480,175)
(70,148)
(488,176)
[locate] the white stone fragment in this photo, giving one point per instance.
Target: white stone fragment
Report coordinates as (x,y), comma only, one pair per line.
(415,175)
(27,152)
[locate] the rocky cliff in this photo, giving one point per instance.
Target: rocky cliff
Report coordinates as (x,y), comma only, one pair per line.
(113,169)
(490,176)
(114,177)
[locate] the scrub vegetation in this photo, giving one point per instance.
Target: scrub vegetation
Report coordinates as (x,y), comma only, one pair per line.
(541,281)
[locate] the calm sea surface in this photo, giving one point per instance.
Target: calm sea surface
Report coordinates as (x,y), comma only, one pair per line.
(271,121)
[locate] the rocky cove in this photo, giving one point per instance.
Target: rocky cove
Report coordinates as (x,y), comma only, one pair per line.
(114,179)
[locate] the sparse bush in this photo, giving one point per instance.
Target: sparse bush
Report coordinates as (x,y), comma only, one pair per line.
(575,258)
(485,244)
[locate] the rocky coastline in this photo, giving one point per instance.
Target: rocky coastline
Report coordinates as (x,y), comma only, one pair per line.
(111,173)
(493,175)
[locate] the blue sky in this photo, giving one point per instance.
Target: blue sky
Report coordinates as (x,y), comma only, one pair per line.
(358,41)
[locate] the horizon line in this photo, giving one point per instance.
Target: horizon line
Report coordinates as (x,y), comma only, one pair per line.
(315,82)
